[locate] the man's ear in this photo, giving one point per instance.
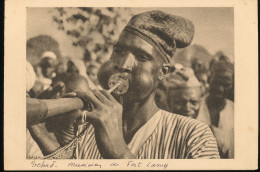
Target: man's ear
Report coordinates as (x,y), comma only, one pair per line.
(164,71)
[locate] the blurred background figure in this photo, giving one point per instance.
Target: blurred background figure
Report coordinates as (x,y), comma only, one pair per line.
(228,69)
(218,111)
(77,66)
(183,92)
(47,71)
(201,72)
(42,51)
(62,66)
(49,64)
(92,71)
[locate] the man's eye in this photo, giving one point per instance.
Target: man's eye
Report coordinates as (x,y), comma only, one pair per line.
(194,102)
(142,57)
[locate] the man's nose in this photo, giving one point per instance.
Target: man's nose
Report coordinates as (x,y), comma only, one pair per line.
(126,63)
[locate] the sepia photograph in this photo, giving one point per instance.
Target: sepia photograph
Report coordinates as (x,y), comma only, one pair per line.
(129,83)
(158,82)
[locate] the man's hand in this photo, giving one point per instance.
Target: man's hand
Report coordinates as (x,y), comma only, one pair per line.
(106,117)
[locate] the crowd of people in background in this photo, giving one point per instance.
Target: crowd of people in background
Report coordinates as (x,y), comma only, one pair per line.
(50,70)
(205,95)
(195,91)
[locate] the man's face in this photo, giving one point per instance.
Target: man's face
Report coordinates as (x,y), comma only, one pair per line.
(185,101)
(48,66)
(135,56)
(220,84)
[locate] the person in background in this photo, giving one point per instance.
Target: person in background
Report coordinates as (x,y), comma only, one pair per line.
(92,71)
(47,68)
(217,111)
(77,66)
(183,93)
(223,59)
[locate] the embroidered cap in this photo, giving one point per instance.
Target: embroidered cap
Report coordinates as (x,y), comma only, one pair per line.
(165,32)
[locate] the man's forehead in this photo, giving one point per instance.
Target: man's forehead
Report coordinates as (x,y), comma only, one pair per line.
(133,42)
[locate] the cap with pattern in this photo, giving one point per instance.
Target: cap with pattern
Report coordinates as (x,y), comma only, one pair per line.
(165,32)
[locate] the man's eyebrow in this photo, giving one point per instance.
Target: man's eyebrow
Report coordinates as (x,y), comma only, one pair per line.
(134,50)
(141,51)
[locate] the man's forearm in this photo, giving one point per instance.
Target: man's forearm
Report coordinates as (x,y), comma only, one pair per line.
(46,141)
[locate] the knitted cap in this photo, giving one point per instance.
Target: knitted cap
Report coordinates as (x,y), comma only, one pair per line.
(165,32)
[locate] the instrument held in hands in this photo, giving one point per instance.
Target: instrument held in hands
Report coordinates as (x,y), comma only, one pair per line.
(37,110)
(118,83)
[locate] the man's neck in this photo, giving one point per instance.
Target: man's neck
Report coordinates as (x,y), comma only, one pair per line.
(136,115)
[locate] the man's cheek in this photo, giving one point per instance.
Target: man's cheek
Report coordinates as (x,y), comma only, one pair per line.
(142,81)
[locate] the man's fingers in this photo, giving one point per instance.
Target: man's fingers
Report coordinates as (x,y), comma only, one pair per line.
(101,97)
(89,96)
(108,95)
